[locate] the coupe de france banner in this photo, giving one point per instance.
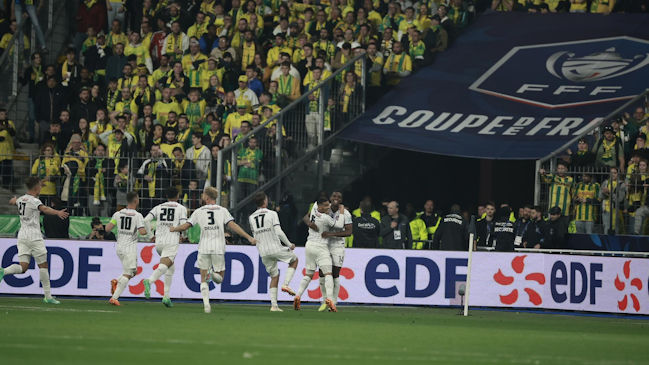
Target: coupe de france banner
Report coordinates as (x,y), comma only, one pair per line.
(514,86)
(583,283)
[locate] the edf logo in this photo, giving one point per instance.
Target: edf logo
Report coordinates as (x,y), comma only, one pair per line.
(569,74)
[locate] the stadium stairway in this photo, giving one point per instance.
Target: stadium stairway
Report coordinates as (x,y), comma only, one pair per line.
(346,164)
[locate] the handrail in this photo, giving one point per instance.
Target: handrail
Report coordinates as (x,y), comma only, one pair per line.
(277,118)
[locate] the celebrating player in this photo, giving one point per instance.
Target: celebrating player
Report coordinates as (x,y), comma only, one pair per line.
(273,246)
(212,219)
(336,245)
(167,215)
(317,251)
(129,223)
(30,239)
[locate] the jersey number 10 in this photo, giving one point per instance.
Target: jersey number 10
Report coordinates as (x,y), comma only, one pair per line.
(125,223)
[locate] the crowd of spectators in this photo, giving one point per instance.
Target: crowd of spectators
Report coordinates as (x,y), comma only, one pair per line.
(605,182)
(149,91)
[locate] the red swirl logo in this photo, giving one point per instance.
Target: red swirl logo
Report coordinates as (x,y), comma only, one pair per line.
(518,266)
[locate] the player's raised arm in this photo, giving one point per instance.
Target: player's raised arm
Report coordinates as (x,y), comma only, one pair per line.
(49,211)
(280,233)
(307,221)
(238,230)
(12,201)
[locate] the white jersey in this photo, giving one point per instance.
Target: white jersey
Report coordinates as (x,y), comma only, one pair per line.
(324,222)
(169,214)
(263,223)
(347,219)
(30,218)
(212,219)
(128,223)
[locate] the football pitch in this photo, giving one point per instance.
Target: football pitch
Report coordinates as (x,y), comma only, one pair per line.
(138,332)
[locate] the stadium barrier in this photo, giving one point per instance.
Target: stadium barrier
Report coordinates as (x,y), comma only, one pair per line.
(510,280)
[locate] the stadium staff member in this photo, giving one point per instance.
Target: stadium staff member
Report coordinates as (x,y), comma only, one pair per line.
(503,234)
(395,228)
(366,228)
(452,234)
(556,229)
(431,218)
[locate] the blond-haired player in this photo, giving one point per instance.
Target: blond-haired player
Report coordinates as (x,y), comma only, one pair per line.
(212,219)
(30,239)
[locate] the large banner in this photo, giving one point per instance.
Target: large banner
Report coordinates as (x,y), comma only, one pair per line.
(512,88)
(599,284)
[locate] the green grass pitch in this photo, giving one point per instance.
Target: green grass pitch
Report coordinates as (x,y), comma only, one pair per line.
(92,332)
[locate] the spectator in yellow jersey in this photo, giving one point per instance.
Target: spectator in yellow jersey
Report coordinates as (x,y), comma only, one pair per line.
(613,196)
(233,121)
(46,167)
(560,187)
(7,134)
(199,28)
(288,86)
(162,107)
(194,60)
(170,142)
(140,49)
(397,65)
(586,202)
(176,42)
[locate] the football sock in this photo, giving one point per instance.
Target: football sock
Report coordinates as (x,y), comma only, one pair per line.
(303,284)
(121,285)
(273,297)
(323,288)
(336,289)
(45,281)
(157,273)
(289,276)
(14,269)
(329,285)
(205,292)
(169,275)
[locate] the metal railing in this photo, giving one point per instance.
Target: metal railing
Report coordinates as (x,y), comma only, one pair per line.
(298,133)
(591,135)
(10,61)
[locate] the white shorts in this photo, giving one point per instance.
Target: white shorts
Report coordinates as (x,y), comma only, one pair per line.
(169,251)
(270,261)
(216,262)
(32,248)
(129,262)
(317,256)
(337,252)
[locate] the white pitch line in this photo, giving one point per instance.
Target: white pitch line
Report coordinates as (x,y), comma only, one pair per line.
(41,309)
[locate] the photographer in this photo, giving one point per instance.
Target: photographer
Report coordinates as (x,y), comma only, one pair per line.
(99,231)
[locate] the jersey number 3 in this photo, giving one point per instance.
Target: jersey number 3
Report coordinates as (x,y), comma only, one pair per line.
(210,217)
(125,223)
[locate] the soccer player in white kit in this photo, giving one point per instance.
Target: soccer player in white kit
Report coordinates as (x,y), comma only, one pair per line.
(167,215)
(336,245)
(273,246)
(129,223)
(30,239)
(212,219)
(317,251)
